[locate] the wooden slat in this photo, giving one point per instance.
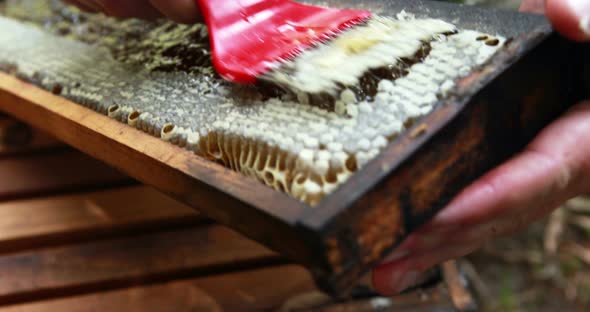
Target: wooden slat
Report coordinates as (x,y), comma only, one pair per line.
(109,264)
(281,288)
(253,290)
(72,218)
(44,174)
(175,297)
(258,290)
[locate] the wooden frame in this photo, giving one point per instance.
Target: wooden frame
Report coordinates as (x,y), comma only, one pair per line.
(492,114)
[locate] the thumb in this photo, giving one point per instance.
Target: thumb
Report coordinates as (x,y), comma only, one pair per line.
(570,17)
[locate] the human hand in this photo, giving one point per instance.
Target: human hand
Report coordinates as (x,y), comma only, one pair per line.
(570,17)
(552,169)
(182,11)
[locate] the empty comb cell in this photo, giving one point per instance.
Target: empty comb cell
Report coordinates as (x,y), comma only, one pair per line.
(323,116)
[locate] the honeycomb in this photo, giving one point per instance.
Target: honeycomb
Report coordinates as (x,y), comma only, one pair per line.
(157,77)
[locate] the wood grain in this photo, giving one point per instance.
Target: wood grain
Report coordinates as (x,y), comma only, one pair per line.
(52,173)
(124,262)
(29,224)
(252,290)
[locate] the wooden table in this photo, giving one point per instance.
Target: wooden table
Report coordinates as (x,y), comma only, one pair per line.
(77,235)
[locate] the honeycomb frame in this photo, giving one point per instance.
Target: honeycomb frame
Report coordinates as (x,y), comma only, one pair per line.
(285,142)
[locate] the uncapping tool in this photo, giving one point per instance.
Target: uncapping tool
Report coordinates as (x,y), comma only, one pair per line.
(249,37)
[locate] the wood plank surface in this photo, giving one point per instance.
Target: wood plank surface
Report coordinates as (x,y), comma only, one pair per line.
(258,290)
(124,262)
(54,173)
(29,224)
(251,290)
(176,297)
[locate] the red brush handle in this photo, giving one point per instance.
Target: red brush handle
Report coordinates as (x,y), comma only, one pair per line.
(230,31)
(248,36)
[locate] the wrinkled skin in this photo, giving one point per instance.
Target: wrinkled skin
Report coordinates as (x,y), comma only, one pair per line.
(182,11)
(552,169)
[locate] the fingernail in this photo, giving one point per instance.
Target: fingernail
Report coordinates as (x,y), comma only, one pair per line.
(405,281)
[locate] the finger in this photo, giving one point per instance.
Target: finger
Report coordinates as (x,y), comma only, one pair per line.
(571,18)
(477,234)
(533,6)
(182,11)
(129,8)
(394,277)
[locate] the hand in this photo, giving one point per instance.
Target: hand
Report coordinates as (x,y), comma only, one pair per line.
(182,11)
(552,169)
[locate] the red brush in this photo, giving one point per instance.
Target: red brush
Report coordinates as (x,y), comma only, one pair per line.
(250,36)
